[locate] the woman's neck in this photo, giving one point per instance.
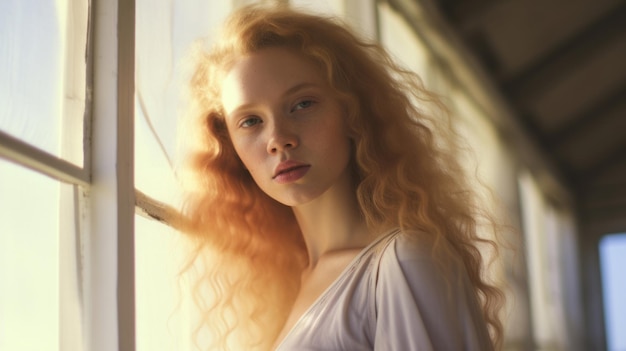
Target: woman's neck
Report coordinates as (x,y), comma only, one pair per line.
(331,223)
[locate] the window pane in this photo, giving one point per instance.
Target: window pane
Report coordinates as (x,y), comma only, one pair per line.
(161,322)
(165,31)
(42,65)
(400,40)
(331,7)
(29,260)
(612,263)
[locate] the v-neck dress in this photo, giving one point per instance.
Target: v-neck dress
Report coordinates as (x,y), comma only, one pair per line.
(392,296)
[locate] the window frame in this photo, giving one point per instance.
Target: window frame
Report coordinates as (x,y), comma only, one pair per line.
(96,268)
(28,156)
(110,270)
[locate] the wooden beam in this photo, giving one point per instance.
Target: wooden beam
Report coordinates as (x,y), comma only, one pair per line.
(536,78)
(611,158)
(586,119)
(463,11)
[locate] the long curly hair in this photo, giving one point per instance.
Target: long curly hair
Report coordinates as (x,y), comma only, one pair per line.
(407,174)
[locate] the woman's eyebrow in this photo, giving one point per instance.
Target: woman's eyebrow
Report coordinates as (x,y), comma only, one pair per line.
(294,89)
(298,87)
(238,109)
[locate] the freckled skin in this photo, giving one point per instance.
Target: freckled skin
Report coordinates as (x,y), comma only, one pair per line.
(279,107)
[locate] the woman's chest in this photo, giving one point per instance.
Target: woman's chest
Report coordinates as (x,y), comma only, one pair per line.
(333,315)
(314,284)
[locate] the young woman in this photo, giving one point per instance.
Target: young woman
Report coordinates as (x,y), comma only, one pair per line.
(331,215)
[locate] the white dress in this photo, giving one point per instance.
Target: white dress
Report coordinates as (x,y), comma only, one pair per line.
(392,297)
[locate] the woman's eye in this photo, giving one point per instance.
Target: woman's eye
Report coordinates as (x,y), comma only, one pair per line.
(302,105)
(249,122)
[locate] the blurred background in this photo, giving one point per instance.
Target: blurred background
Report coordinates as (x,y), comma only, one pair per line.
(90,94)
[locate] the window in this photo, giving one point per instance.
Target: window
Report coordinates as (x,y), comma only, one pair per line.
(66,150)
(29,259)
(43,173)
(612,263)
(551,254)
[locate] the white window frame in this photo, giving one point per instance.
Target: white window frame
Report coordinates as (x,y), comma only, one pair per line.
(109,267)
(96,268)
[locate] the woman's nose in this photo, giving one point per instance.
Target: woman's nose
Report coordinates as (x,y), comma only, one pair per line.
(283,136)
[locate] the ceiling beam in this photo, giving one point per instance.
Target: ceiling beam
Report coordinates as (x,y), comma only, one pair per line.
(604,199)
(602,165)
(586,119)
(566,56)
(532,129)
(462,11)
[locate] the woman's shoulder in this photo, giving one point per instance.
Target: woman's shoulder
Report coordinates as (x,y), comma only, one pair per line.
(413,256)
(406,245)
(432,294)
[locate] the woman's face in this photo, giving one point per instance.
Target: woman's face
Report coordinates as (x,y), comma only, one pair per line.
(286,126)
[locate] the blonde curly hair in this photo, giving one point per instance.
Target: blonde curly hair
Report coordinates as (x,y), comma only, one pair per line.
(405,165)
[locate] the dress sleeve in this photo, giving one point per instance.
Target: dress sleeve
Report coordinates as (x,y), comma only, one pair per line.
(417,308)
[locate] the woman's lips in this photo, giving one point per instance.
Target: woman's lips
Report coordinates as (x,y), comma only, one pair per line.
(291,175)
(290,171)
